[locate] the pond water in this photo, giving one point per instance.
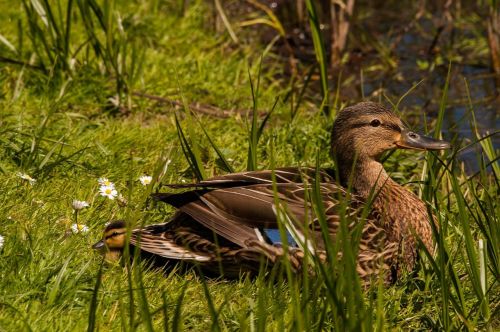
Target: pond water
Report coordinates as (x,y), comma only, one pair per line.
(394,45)
(466,79)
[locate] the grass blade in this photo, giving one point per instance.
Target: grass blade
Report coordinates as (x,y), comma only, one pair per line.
(191,156)
(143,299)
(253,132)
(319,50)
(93,303)
(176,320)
(226,166)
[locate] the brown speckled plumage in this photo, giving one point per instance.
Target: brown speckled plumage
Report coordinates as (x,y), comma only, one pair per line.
(220,221)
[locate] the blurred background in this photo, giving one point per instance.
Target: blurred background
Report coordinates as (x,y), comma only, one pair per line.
(319,53)
(380,50)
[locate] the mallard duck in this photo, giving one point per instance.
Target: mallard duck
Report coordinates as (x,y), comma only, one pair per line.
(229,222)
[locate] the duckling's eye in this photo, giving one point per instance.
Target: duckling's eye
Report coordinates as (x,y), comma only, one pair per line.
(375,123)
(114,234)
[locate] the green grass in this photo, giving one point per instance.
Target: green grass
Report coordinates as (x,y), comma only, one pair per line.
(59,127)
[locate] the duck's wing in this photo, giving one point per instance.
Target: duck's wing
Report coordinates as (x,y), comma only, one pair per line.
(236,205)
(239,214)
(280,175)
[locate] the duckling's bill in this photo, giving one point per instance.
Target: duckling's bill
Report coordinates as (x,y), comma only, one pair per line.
(98,245)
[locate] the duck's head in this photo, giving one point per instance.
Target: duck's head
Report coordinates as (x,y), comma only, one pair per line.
(366,130)
(113,240)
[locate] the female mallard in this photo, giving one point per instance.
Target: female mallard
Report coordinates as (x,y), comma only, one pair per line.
(227,222)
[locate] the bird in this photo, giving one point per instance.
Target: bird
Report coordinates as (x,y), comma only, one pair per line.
(230,224)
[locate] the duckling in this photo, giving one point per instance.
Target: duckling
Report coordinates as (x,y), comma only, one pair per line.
(230,222)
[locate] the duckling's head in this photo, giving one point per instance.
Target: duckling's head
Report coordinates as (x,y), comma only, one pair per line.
(113,240)
(364,131)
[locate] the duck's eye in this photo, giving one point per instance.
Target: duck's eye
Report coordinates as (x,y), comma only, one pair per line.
(114,234)
(375,123)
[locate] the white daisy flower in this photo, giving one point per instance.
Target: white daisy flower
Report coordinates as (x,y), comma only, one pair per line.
(79,228)
(26,177)
(145,179)
(105,182)
(2,240)
(108,191)
(78,205)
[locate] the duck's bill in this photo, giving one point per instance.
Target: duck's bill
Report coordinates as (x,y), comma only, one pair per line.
(98,245)
(411,140)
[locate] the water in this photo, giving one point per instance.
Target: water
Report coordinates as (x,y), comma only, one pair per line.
(421,48)
(427,96)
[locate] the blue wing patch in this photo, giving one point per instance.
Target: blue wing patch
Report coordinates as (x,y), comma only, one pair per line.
(273,236)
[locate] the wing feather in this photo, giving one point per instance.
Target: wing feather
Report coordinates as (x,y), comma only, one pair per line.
(156,244)
(227,228)
(235,212)
(282,175)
